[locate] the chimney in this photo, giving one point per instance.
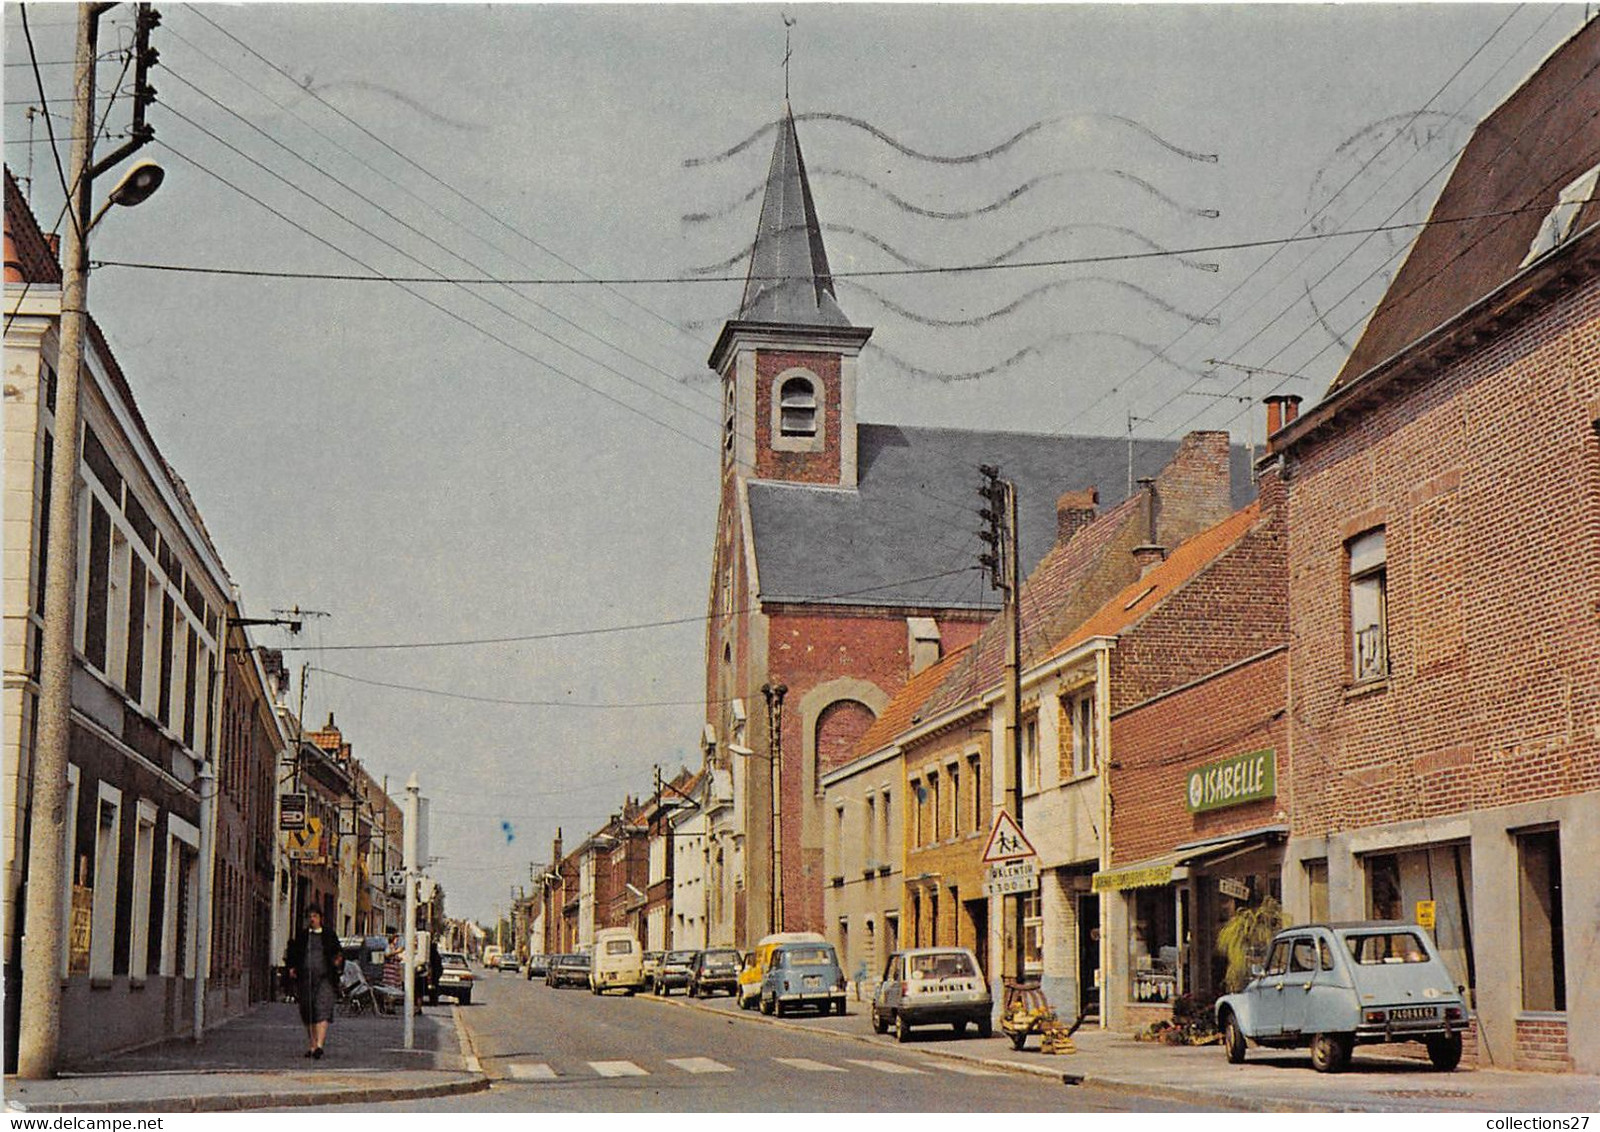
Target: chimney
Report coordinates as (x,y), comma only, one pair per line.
(1291,408)
(1151,554)
(1074,511)
(923,642)
(54,240)
(1276,418)
(1148,557)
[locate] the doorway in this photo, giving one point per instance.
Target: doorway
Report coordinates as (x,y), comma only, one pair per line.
(1089,954)
(978,914)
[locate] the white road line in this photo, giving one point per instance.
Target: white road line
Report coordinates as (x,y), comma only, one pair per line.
(884,1066)
(522,1071)
(699,1065)
(958,1067)
(806,1064)
(618,1069)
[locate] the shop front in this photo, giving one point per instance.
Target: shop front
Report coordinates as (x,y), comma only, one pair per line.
(1163,918)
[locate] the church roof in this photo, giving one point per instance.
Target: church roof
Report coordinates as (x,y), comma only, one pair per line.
(1499,199)
(789,280)
(912,518)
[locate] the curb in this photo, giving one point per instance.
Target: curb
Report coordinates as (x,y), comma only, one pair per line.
(241,1102)
(1110,1084)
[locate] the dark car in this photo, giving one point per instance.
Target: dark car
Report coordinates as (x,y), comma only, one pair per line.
(673,974)
(538,966)
(714,970)
(568,971)
(455,977)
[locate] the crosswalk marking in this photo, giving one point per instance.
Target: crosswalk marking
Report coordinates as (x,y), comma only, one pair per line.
(808,1065)
(699,1065)
(884,1066)
(618,1069)
(520,1071)
(958,1067)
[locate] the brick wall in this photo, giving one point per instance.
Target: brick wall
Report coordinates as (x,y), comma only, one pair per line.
(1487,481)
(798,467)
(1542,1044)
(1156,746)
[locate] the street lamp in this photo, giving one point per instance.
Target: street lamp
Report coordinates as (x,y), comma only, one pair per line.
(39,1041)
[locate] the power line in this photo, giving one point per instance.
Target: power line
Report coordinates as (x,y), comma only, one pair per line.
(954,269)
(609,629)
(447,694)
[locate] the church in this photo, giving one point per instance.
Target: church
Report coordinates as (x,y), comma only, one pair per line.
(846,558)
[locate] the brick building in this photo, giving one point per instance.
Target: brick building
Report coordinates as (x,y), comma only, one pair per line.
(837,561)
(1444,556)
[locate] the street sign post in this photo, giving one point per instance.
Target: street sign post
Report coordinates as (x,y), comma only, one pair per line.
(1012,863)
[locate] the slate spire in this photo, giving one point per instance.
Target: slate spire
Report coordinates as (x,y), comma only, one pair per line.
(789,280)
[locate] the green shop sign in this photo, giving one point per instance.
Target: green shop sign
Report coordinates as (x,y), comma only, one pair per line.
(1232,782)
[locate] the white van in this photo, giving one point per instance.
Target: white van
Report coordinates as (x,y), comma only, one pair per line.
(617,962)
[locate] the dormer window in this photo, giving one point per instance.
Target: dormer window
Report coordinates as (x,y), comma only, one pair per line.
(797,408)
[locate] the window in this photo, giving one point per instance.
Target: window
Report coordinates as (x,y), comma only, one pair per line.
(917,809)
(797,408)
(1278,961)
(133,669)
(954,773)
(1302,955)
(95,613)
(1383,888)
(1085,745)
(727,419)
(1153,944)
(1368,595)
(934,828)
(887,843)
(869,831)
(69,851)
(169,615)
(980,805)
(1032,932)
(103,922)
(144,849)
(1544,956)
(178,908)
(1030,753)
(1317,888)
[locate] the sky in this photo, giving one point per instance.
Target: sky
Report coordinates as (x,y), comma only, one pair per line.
(502,495)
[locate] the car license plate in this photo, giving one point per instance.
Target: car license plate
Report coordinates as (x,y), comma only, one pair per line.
(1411,1013)
(813,980)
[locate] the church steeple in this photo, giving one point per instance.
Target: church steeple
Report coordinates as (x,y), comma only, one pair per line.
(789,278)
(788,360)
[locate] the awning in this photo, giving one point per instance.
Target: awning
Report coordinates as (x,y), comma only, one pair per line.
(1158,870)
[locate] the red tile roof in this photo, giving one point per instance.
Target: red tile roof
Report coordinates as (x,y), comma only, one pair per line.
(906,707)
(1141,597)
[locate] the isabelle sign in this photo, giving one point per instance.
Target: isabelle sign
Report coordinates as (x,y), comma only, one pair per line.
(1232,782)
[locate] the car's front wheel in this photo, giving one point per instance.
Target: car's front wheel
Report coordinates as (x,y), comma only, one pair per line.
(902,1031)
(1445,1052)
(879,1026)
(1330,1053)
(1232,1038)
(465,998)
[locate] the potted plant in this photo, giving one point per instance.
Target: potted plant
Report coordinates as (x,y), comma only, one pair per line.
(1244,938)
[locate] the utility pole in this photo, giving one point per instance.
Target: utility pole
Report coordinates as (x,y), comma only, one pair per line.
(412,867)
(1002,562)
(39,1040)
(774,694)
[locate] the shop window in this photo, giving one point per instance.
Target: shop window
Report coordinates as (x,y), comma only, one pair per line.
(1368,602)
(1032,933)
(1153,944)
(1544,960)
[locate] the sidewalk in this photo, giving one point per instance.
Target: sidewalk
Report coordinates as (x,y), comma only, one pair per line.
(257,1060)
(1378,1080)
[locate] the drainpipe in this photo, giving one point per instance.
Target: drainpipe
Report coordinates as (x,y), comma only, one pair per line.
(208,854)
(1102,711)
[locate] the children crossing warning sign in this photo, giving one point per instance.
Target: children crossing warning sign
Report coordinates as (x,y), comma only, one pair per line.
(1006,842)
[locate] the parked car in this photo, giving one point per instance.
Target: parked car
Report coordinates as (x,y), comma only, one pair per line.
(929,986)
(508,961)
(672,973)
(759,957)
(568,971)
(714,970)
(491,957)
(617,962)
(538,966)
(455,977)
(1335,986)
(803,974)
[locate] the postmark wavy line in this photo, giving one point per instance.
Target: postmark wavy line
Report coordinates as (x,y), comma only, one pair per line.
(955,158)
(1036,348)
(743,254)
(1023,300)
(964,214)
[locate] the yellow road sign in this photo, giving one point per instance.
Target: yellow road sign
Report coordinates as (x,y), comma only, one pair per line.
(1425,913)
(304,844)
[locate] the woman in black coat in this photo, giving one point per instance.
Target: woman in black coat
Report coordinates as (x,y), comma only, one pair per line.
(314,960)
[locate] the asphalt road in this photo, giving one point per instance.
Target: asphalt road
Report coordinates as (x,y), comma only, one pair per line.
(569,1051)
